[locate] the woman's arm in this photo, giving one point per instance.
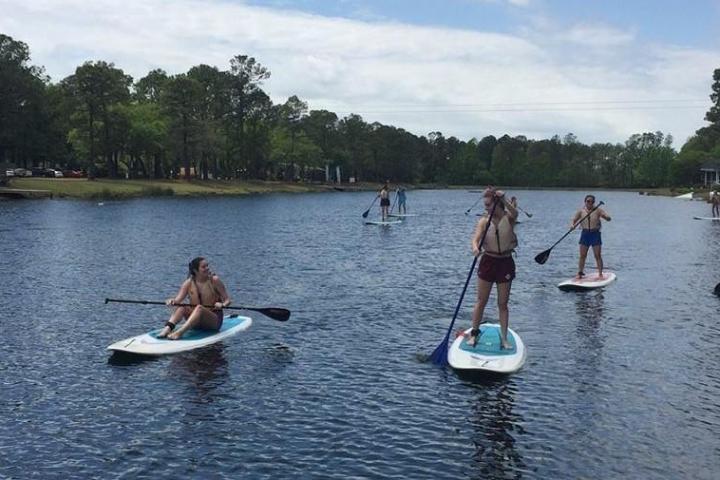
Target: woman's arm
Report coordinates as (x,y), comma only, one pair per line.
(182,293)
(225,299)
(576,217)
(479,228)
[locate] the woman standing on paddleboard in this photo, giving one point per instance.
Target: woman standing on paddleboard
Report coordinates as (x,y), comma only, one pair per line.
(496,264)
(207,292)
(384,200)
(590,234)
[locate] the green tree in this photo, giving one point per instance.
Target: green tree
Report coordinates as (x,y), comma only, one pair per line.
(24,114)
(182,103)
(95,88)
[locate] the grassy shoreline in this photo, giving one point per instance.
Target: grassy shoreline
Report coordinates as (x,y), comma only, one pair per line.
(82,188)
(105,189)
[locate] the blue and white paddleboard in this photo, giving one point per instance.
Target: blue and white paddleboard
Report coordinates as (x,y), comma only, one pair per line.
(381,223)
(589,282)
(150,344)
(707,218)
(402,215)
(487,354)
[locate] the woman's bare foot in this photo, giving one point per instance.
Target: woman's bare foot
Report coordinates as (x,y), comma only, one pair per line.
(473,337)
(506,345)
(175,335)
(164,332)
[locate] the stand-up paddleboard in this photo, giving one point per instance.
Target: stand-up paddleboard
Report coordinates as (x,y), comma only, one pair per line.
(707,218)
(588,282)
(487,355)
(380,222)
(150,344)
(402,215)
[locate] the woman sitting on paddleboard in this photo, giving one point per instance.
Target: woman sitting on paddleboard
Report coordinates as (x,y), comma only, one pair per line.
(496,264)
(207,292)
(590,235)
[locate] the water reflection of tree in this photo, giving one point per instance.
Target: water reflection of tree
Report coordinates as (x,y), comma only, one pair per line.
(496,428)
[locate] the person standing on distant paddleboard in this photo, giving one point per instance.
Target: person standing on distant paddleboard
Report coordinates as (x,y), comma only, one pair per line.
(496,264)
(207,292)
(402,209)
(715,200)
(590,234)
(384,200)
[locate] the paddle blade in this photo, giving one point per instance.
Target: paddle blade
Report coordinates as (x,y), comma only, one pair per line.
(439,356)
(541,258)
(279,314)
(366,213)
(717,289)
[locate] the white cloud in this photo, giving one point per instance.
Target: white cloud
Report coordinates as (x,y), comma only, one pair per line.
(463,83)
(597,36)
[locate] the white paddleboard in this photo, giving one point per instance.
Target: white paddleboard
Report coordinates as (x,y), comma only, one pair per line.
(588,282)
(487,355)
(402,215)
(380,222)
(149,344)
(707,218)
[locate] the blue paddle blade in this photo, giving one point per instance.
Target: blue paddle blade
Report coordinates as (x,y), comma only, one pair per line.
(439,356)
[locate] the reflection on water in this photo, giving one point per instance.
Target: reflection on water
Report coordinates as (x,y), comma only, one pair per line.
(495,427)
(590,307)
(125,359)
(203,370)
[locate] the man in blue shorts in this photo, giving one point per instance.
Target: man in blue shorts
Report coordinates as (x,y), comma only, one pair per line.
(590,235)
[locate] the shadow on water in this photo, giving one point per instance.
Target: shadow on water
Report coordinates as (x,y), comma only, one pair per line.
(204,369)
(125,359)
(495,429)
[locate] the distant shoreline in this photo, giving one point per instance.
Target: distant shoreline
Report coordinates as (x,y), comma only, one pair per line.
(107,189)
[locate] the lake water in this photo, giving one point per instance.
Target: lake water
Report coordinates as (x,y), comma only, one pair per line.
(623,382)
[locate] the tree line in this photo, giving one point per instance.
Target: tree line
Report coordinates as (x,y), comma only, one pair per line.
(222,124)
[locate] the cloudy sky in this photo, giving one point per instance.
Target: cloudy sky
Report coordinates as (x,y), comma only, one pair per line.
(602,70)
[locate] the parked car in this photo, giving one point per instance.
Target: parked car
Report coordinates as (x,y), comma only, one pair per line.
(22,172)
(51,172)
(10,173)
(38,172)
(73,174)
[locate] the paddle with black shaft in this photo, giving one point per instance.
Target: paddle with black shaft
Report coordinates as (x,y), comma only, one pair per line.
(439,356)
(473,205)
(542,257)
(526,213)
(279,314)
(367,212)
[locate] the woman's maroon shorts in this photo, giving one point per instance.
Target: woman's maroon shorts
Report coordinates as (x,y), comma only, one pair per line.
(496,270)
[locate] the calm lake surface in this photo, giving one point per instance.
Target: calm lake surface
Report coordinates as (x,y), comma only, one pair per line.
(623,382)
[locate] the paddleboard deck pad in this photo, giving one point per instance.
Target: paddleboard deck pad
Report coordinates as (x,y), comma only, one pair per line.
(589,282)
(707,218)
(380,222)
(150,344)
(487,354)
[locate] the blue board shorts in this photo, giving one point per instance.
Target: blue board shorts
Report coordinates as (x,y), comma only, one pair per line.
(590,238)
